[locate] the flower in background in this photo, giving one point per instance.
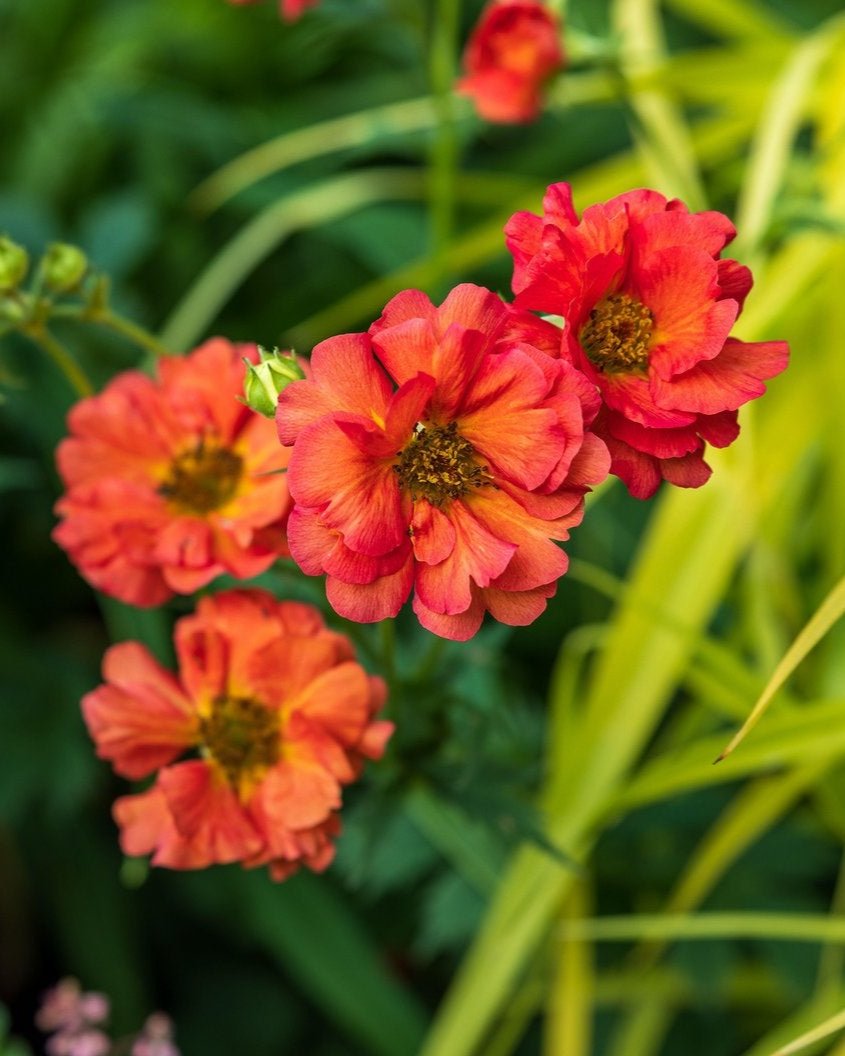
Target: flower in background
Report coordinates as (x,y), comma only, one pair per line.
(453,484)
(73,1019)
(289,10)
(156,1037)
(171,481)
(648,306)
(281,715)
(511,53)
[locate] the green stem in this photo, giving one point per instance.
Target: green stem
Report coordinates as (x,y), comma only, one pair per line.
(443,159)
(135,333)
(387,630)
(75,375)
(429,662)
(790,927)
(105,317)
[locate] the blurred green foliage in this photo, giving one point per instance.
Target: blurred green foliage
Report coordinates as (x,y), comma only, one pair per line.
(114,113)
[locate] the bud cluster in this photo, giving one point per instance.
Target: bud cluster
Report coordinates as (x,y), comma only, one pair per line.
(62,270)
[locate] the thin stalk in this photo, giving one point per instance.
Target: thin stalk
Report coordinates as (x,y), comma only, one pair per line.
(75,375)
(428,664)
(138,335)
(443,158)
(789,927)
(387,631)
(325,137)
(135,333)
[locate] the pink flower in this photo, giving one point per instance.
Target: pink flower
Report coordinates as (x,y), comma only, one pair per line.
(66,1007)
(512,52)
(442,452)
(648,306)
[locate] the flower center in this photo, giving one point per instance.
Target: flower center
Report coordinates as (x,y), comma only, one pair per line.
(202,479)
(439,465)
(242,736)
(617,335)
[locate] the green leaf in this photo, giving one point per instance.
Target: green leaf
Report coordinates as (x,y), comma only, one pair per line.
(307,927)
(827,614)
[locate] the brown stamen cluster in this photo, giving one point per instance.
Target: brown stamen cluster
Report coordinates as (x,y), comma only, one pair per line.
(617,336)
(439,465)
(242,736)
(202,479)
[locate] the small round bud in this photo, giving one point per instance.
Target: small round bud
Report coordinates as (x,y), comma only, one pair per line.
(14,262)
(64,267)
(266,379)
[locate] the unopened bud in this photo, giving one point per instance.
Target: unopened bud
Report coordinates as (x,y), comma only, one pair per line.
(64,267)
(14,261)
(268,377)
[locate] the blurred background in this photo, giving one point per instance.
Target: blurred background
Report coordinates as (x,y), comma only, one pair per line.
(115,116)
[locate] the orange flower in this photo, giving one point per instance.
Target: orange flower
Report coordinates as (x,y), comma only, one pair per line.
(282,717)
(513,50)
(456,483)
(171,482)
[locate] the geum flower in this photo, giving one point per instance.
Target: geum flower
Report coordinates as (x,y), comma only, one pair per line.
(277,716)
(171,481)
(513,50)
(453,484)
(648,306)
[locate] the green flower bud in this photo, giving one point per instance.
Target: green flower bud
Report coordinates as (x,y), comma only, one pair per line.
(14,261)
(64,267)
(266,379)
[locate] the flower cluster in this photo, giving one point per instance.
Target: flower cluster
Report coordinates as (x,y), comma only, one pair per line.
(648,306)
(445,449)
(74,1020)
(171,481)
(441,452)
(513,50)
(276,716)
(441,455)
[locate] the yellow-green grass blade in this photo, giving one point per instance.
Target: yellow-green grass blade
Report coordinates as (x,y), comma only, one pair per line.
(772,144)
(813,928)
(824,1030)
(569,1008)
(733,19)
(317,140)
(790,739)
(827,614)
(805,1018)
(660,132)
(643,1032)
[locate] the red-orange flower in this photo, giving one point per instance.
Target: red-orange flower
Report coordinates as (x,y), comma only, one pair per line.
(455,483)
(648,307)
(513,50)
(281,717)
(171,481)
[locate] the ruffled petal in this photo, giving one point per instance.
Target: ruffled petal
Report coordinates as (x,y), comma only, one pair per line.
(208,816)
(380,600)
(478,557)
(733,378)
(355,494)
